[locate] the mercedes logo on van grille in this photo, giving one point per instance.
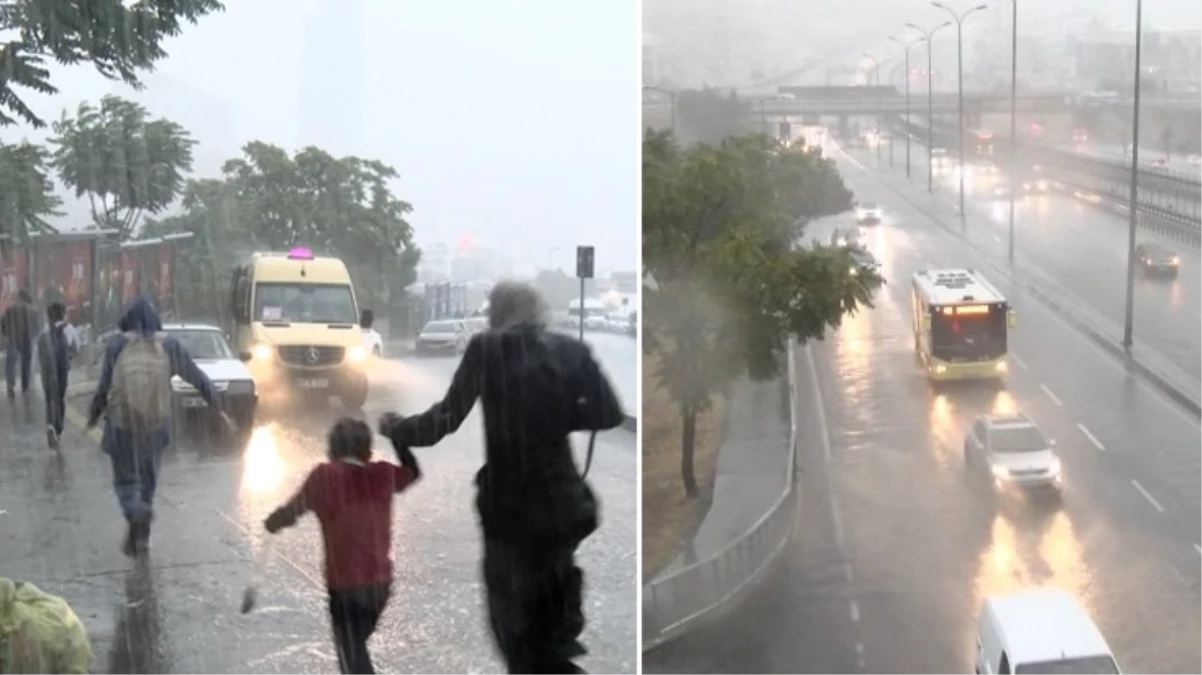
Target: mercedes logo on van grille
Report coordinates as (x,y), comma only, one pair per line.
(312,356)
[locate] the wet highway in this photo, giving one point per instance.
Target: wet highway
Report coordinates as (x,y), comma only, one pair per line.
(61,528)
(896,544)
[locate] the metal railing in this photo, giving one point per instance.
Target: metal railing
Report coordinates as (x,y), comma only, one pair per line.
(674,602)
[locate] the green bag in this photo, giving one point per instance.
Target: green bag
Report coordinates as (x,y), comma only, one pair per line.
(39,633)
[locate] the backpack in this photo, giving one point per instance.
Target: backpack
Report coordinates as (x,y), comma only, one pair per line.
(140,397)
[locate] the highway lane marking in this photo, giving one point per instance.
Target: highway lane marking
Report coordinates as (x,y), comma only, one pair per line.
(1055,399)
(1198,548)
(1151,500)
(855,611)
(1092,439)
(997,238)
(823,429)
(860,655)
(838,520)
(1017,361)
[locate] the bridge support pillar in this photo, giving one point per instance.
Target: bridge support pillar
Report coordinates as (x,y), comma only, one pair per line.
(844,130)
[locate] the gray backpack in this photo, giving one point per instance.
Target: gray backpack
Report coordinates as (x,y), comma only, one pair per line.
(140,396)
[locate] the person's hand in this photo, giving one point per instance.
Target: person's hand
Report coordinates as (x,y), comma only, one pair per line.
(387,420)
(271,524)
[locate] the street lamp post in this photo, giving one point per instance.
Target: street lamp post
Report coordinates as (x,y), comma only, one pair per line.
(1132,220)
(927,36)
(959,18)
(671,97)
(1013,119)
(906,49)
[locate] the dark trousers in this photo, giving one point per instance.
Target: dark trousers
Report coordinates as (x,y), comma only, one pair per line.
(534,606)
(136,458)
(54,389)
(14,354)
(354,613)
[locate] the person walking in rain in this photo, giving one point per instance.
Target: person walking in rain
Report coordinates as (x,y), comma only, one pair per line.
(134,396)
(535,508)
(57,346)
(18,326)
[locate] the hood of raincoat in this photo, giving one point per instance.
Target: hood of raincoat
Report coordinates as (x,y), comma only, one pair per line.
(140,317)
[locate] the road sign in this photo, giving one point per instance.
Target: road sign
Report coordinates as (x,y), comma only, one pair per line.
(584,262)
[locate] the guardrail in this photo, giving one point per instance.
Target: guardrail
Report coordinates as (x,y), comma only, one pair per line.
(674,603)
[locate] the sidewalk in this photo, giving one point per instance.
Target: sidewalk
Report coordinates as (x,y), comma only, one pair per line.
(752,469)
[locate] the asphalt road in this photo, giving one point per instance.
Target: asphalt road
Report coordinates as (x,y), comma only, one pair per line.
(896,546)
(618,356)
(1084,250)
(61,528)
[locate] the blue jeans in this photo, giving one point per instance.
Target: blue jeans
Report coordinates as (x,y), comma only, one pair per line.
(54,386)
(136,459)
(11,354)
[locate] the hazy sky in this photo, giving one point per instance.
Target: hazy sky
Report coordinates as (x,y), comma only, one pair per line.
(515,123)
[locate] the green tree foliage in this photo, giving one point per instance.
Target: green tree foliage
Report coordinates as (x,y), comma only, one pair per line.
(268,200)
(722,226)
(342,205)
(708,115)
(125,162)
(26,191)
(118,37)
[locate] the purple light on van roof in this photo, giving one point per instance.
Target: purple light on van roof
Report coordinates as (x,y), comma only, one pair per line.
(300,253)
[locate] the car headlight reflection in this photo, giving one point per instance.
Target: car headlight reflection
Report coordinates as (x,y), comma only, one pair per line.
(262,352)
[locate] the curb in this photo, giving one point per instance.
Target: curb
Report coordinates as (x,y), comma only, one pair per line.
(1161,381)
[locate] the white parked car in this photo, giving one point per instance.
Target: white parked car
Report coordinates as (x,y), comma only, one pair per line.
(595,322)
(445,336)
(868,212)
(211,351)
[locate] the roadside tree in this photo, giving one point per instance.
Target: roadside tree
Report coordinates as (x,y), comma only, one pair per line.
(730,280)
(120,39)
(126,163)
(27,197)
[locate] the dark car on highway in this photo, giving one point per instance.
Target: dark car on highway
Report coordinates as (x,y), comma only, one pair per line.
(1156,260)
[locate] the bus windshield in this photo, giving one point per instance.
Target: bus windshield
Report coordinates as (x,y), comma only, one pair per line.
(304,303)
(962,337)
(1099,665)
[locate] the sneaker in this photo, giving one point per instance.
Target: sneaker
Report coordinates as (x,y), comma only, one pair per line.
(52,436)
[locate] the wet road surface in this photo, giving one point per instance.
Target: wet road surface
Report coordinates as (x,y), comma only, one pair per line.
(618,356)
(61,528)
(896,544)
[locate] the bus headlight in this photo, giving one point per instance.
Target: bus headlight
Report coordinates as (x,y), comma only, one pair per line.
(356,354)
(940,368)
(1001,366)
(262,352)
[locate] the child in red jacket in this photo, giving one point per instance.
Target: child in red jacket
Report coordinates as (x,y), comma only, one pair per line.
(352,499)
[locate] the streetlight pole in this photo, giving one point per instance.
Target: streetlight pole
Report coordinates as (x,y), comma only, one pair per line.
(671,97)
(1013,119)
(1132,220)
(906,48)
(927,35)
(959,18)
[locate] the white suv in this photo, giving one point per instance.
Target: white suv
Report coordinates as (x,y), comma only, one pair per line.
(1011,451)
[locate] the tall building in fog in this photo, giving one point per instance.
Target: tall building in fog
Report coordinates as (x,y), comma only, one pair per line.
(435,263)
(331,93)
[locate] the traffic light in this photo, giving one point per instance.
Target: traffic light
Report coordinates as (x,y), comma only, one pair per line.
(584,262)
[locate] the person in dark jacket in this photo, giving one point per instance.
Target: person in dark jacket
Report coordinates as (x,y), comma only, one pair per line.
(535,508)
(18,326)
(55,351)
(136,453)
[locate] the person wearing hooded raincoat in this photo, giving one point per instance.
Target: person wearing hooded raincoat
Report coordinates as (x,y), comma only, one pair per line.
(136,453)
(39,632)
(535,508)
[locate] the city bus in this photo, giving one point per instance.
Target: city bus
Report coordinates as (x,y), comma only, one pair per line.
(983,143)
(961,325)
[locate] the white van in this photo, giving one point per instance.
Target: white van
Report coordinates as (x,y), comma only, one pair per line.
(1040,631)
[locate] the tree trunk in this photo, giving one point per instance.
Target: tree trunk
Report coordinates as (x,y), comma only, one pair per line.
(688,439)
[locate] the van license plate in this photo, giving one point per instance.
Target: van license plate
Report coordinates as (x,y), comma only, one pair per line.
(313,383)
(194,402)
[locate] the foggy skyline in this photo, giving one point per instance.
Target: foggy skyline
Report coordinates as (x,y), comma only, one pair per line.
(504,128)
